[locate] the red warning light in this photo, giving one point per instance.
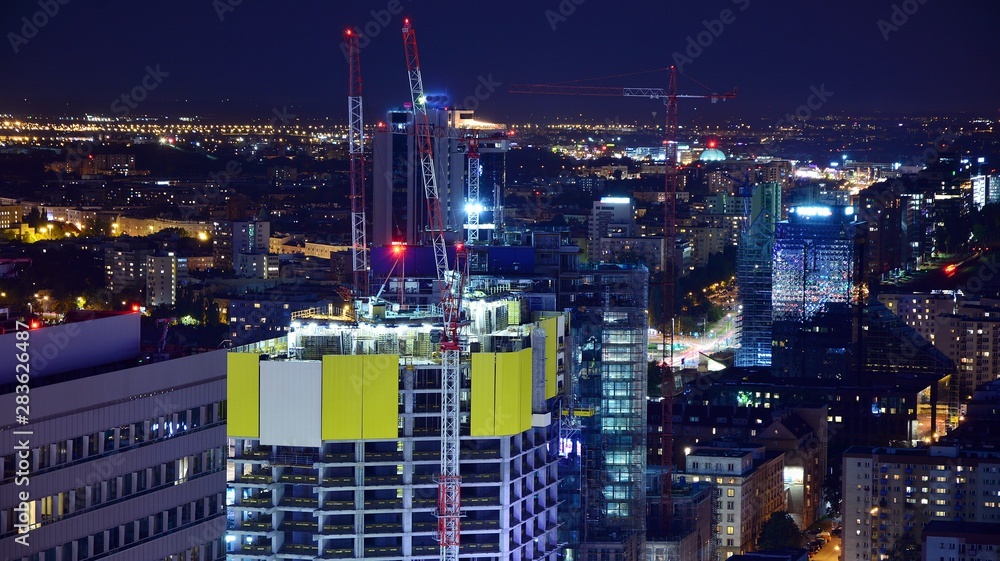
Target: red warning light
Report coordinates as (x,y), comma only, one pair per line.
(398,248)
(135,307)
(34,325)
(712,144)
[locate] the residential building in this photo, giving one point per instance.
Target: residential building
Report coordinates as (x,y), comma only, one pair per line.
(611,217)
(890,494)
(336,439)
(971,541)
(750,484)
(161,279)
(119,460)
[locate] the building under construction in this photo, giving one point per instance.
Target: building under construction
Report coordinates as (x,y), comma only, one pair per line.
(753,275)
(335,435)
(603,452)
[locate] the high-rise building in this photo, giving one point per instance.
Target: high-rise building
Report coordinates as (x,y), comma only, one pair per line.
(882,209)
(814,284)
(611,217)
(753,276)
(161,280)
(399,207)
(336,438)
(891,494)
(112,459)
(125,267)
(610,337)
(244,247)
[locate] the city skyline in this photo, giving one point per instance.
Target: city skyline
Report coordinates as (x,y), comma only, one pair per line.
(219,58)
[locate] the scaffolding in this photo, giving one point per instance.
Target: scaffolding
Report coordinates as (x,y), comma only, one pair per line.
(753,276)
(610,334)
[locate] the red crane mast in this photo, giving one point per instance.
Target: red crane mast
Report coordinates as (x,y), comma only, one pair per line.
(670,96)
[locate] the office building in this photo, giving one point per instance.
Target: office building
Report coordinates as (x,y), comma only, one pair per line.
(965,328)
(336,439)
(892,494)
(882,210)
(399,208)
(123,460)
(753,276)
(814,284)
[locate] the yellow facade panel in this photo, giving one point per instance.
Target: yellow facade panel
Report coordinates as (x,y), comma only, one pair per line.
(380,394)
(510,393)
(342,397)
(483,394)
(243,395)
(524,356)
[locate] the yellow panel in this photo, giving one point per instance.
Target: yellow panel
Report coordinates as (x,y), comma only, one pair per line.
(243,395)
(508,397)
(342,381)
(380,394)
(525,357)
(551,327)
(483,394)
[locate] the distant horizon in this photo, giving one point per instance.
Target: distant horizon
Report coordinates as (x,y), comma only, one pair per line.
(248,111)
(869,57)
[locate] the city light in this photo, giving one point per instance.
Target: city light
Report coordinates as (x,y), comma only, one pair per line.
(812,211)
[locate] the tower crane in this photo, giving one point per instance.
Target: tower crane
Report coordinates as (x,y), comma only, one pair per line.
(356,144)
(473,206)
(671,97)
(451,283)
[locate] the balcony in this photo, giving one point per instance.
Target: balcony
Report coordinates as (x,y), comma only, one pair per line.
(338,505)
(302,549)
(298,479)
(306,503)
(298,526)
(331,482)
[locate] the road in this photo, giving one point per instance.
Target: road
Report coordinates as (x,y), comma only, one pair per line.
(830,551)
(688,356)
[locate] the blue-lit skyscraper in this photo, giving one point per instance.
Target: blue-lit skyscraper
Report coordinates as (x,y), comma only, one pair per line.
(814,286)
(753,275)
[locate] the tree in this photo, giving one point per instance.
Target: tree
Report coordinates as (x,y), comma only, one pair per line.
(778,532)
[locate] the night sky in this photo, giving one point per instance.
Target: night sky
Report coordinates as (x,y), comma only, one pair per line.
(261,54)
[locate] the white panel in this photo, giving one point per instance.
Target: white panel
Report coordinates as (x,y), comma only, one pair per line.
(291,403)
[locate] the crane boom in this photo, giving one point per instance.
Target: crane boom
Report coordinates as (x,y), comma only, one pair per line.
(451,282)
(356,144)
(670,96)
(650,93)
